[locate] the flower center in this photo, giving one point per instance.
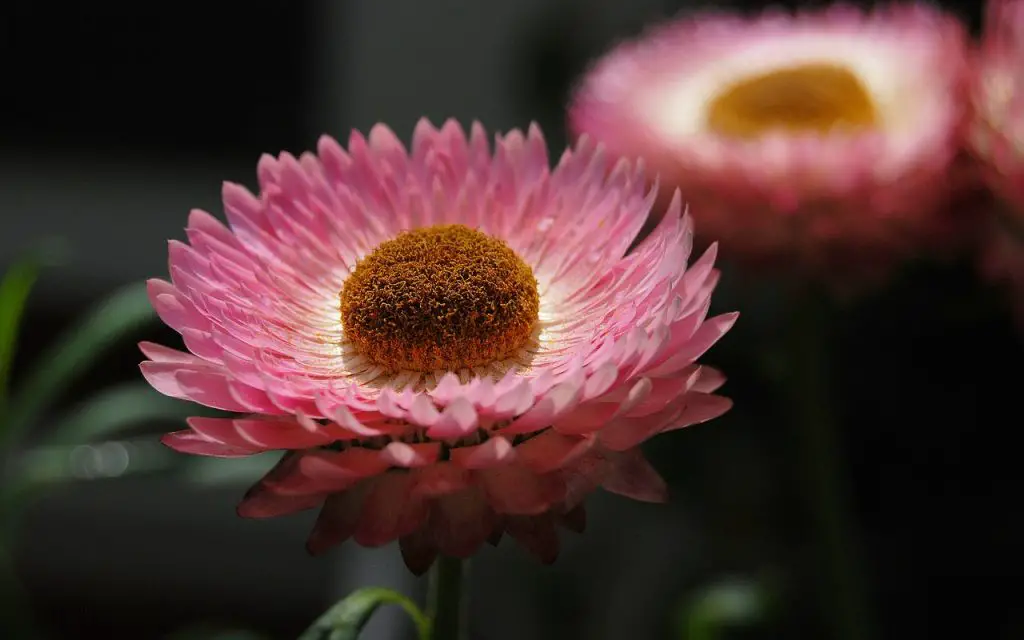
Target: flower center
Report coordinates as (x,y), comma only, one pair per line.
(444,297)
(815,97)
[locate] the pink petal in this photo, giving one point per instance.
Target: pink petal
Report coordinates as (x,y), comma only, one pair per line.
(551,450)
(280,434)
(423,412)
(418,551)
(700,407)
(160,353)
(461,522)
(515,490)
(710,380)
(632,476)
(198,445)
(163,376)
(583,477)
(262,502)
(390,511)
(559,399)
(495,451)
(664,391)
(441,479)
(209,389)
(537,534)
(458,419)
(586,418)
(338,519)
(400,454)
(351,464)
(574,520)
(513,401)
(707,335)
(625,433)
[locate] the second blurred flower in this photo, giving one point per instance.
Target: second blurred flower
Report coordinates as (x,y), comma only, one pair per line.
(997,140)
(823,141)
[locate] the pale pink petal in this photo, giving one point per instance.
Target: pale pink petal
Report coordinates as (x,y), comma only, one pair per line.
(495,451)
(632,476)
(400,454)
(196,444)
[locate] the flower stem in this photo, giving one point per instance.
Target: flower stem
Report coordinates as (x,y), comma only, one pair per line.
(823,475)
(447,600)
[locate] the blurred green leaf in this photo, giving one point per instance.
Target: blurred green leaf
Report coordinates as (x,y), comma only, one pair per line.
(719,606)
(114,409)
(14,290)
(127,310)
(218,471)
(15,287)
(36,468)
(346,619)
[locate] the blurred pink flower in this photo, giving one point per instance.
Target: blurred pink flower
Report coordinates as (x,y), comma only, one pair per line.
(997,140)
(823,142)
(434,257)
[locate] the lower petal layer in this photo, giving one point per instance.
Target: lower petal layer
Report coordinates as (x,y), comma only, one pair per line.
(407,505)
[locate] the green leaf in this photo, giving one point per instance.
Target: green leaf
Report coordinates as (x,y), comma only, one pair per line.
(15,287)
(725,604)
(127,310)
(14,290)
(346,619)
(114,409)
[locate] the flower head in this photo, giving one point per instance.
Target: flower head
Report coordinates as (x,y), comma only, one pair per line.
(821,141)
(449,343)
(997,139)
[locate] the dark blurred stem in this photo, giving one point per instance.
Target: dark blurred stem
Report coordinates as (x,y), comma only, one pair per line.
(823,474)
(447,599)
(15,616)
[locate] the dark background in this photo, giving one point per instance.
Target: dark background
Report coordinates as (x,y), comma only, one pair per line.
(115,120)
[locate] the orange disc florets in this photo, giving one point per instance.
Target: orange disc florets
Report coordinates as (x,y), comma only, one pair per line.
(440,298)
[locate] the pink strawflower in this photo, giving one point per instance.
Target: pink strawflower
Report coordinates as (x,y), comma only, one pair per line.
(821,142)
(519,356)
(997,140)
(997,132)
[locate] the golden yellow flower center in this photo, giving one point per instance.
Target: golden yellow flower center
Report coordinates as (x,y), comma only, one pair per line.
(814,98)
(443,297)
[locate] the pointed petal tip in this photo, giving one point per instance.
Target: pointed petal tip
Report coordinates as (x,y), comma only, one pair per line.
(200,218)
(417,567)
(316,546)
(729,319)
(169,439)
(417,554)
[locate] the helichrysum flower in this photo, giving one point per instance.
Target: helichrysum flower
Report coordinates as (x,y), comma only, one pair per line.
(449,343)
(997,139)
(997,97)
(822,141)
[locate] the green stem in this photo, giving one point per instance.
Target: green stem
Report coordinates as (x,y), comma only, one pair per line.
(448,613)
(15,615)
(824,477)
